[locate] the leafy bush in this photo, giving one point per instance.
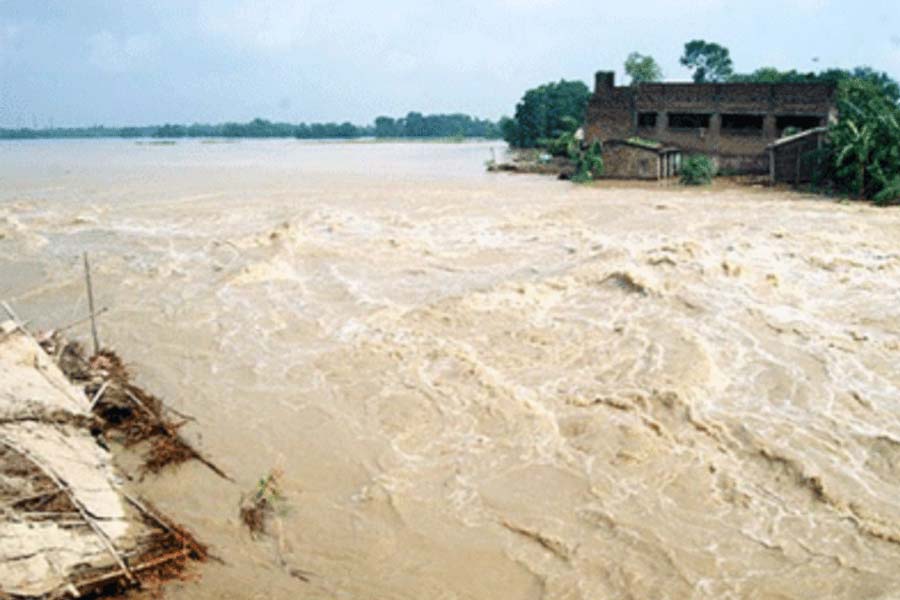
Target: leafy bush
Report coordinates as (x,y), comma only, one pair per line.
(588,163)
(890,194)
(565,145)
(697,170)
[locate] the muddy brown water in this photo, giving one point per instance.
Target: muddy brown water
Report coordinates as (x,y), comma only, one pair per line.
(487,386)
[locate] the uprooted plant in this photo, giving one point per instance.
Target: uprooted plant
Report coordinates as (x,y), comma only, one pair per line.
(261,503)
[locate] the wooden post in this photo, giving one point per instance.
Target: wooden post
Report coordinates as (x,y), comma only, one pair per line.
(90,291)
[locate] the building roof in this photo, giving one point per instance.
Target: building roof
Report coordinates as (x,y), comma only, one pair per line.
(797,136)
(644,144)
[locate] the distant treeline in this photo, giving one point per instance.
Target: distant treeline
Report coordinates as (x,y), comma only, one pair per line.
(413,125)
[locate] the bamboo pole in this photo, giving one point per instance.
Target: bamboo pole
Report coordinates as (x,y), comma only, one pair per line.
(12,315)
(97,396)
(87,585)
(90,291)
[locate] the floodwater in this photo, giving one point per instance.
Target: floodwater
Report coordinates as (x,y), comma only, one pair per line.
(487,386)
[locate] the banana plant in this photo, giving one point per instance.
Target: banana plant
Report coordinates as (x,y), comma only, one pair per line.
(866,142)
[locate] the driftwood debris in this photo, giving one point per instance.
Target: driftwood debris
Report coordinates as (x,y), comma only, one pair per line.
(129,414)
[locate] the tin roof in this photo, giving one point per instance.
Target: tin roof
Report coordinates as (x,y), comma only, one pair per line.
(644,144)
(797,136)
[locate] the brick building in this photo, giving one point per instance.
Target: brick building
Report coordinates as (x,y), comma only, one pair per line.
(731,122)
(629,159)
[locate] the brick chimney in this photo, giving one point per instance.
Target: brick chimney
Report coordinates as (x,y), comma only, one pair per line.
(604,82)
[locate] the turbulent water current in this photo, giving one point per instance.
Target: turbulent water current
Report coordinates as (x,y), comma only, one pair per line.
(486,386)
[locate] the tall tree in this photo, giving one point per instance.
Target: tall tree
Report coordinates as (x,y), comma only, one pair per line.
(709,61)
(547,111)
(386,127)
(642,68)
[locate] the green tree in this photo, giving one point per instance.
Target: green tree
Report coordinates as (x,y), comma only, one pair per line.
(509,130)
(386,127)
(772,75)
(456,125)
(414,125)
(884,82)
(709,61)
(886,85)
(546,112)
(642,68)
(170,131)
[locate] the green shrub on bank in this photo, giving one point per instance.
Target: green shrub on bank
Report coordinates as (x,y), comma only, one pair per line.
(588,163)
(565,146)
(697,170)
(889,194)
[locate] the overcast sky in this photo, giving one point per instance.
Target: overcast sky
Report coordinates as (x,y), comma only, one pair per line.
(122,62)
